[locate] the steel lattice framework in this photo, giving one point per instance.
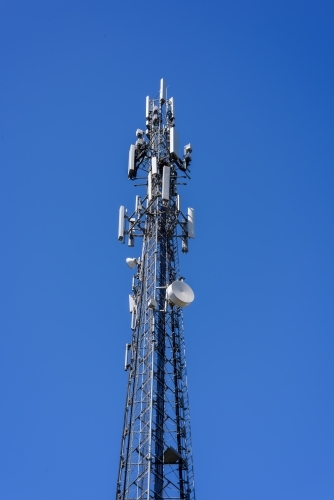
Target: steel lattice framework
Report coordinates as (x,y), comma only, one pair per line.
(156,451)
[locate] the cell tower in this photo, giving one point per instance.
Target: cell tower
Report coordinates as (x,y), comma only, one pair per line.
(156,453)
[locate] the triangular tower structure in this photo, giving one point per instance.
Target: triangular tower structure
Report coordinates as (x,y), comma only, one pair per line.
(156,453)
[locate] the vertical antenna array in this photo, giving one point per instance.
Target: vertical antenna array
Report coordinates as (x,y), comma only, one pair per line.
(156,451)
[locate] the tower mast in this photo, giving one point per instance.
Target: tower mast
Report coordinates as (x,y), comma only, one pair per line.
(156,452)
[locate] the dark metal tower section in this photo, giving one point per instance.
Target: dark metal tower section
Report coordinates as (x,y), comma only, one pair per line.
(156,453)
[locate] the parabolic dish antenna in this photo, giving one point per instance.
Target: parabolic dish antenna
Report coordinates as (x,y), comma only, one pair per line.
(131,262)
(180,294)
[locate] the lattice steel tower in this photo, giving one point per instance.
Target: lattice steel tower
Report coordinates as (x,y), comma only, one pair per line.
(156,454)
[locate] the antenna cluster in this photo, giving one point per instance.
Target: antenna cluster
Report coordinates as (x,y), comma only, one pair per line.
(156,154)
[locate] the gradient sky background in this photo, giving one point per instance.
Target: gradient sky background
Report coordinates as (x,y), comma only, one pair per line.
(253,83)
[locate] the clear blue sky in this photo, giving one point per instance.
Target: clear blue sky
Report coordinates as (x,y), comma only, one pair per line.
(253,83)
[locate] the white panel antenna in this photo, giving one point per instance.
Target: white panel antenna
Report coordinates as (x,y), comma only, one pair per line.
(131,303)
(148,107)
(154,165)
(174,142)
(133,319)
(131,165)
(172,105)
(191,223)
(121,223)
(165,183)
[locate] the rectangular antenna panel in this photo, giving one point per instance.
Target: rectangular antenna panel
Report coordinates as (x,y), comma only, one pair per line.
(174,141)
(148,106)
(191,223)
(121,222)
(131,303)
(131,166)
(149,186)
(154,165)
(165,183)
(172,105)
(133,320)
(162,90)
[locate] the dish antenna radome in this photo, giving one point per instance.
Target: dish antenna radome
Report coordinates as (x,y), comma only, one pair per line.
(180,294)
(132,263)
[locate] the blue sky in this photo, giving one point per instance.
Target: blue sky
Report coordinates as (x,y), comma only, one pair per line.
(253,84)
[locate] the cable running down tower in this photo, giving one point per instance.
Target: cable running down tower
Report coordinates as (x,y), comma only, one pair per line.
(156,452)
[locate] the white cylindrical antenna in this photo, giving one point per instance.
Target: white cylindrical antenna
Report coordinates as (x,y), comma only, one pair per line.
(172,106)
(131,165)
(174,142)
(165,183)
(121,223)
(154,165)
(191,223)
(162,90)
(178,203)
(149,186)
(148,107)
